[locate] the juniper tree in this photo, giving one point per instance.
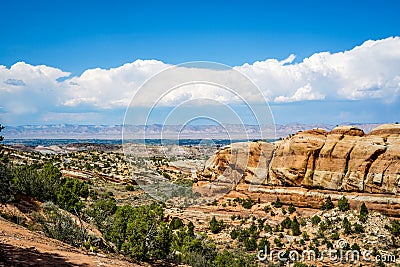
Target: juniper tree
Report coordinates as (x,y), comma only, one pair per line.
(343,204)
(363,212)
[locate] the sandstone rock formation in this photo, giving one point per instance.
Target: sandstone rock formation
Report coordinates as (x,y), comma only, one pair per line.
(344,159)
(294,160)
(247,161)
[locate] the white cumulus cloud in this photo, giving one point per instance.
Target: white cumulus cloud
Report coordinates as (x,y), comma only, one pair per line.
(110,88)
(368,71)
(371,70)
(303,93)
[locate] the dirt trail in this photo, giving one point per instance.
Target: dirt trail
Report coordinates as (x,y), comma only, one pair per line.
(21,247)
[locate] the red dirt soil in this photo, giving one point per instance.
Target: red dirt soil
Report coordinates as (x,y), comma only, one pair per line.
(21,247)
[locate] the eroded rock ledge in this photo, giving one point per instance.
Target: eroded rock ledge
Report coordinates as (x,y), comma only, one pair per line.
(344,159)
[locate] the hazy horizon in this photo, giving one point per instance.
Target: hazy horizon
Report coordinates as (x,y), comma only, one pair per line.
(304,62)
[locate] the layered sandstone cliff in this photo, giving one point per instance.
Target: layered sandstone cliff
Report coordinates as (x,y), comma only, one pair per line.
(344,159)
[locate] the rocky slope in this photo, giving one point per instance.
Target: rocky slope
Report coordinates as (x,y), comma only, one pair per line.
(344,159)
(21,247)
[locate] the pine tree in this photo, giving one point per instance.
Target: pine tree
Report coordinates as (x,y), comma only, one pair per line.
(346,226)
(216,226)
(190,229)
(363,213)
(343,204)
(328,203)
(278,203)
(295,227)
(286,223)
(291,208)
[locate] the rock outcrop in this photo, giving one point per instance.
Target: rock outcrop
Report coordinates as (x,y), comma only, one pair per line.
(239,162)
(295,158)
(344,159)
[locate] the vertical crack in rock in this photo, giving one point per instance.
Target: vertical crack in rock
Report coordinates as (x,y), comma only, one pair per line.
(333,147)
(310,168)
(343,159)
(370,161)
(346,167)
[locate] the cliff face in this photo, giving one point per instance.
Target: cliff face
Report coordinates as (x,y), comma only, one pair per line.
(344,159)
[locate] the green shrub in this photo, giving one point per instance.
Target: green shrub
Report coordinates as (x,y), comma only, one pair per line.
(277,228)
(247,203)
(295,226)
(267,209)
(346,226)
(243,234)
(7,189)
(395,228)
(175,223)
(190,229)
(278,242)
(42,183)
(14,218)
(343,204)
(197,252)
(261,224)
(358,228)
(286,223)
(335,236)
(253,230)
(356,247)
(328,205)
(264,243)
(305,236)
(322,227)
(375,252)
(216,226)
(101,211)
(130,187)
(363,213)
(56,224)
(267,228)
(140,232)
(329,245)
(315,220)
(278,203)
(234,233)
(70,193)
(291,208)
(250,244)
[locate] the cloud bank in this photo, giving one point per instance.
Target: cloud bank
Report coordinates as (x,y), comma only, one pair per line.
(369,71)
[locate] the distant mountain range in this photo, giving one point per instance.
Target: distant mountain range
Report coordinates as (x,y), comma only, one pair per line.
(157,131)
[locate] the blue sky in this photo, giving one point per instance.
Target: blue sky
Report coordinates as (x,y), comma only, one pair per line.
(77,36)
